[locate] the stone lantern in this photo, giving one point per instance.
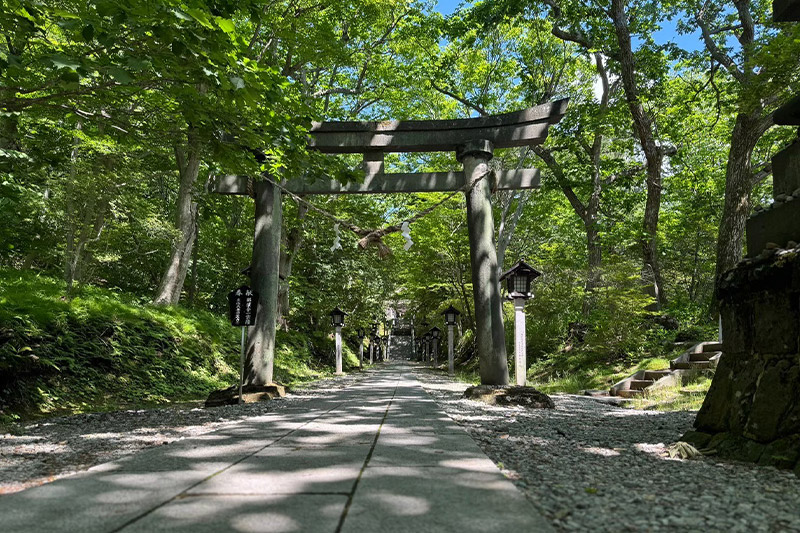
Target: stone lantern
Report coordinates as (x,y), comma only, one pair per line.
(337,321)
(518,283)
(450,318)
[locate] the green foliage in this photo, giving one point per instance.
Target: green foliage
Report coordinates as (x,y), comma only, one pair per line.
(103,349)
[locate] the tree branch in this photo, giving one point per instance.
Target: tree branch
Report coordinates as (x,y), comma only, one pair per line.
(481,111)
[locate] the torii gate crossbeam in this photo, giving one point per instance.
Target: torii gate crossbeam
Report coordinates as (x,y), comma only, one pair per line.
(473,140)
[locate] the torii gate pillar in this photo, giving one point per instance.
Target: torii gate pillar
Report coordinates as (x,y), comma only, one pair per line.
(264,280)
(490,336)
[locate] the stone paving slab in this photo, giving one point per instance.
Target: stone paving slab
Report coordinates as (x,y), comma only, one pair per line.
(91,502)
(379,455)
(309,513)
(462,497)
(275,470)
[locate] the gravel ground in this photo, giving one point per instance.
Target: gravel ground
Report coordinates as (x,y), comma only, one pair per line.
(591,466)
(41,452)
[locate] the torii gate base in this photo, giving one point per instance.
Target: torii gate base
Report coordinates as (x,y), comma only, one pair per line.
(473,140)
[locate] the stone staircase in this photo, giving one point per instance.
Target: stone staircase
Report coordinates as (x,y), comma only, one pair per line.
(401,346)
(701,356)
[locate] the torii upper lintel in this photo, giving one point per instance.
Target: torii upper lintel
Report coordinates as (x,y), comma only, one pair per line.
(519,128)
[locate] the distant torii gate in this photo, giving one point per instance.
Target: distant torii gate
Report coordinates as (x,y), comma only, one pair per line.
(473,140)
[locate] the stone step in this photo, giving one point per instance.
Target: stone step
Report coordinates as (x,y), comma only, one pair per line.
(712,347)
(691,365)
(655,375)
(639,384)
(630,393)
(699,357)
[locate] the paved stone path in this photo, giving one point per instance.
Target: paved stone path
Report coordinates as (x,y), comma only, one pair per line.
(377,456)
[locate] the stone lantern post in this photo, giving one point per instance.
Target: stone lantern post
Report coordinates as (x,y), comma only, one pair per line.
(337,321)
(450,319)
(518,282)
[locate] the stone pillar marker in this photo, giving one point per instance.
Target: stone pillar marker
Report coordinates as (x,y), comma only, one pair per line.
(435,333)
(264,280)
(520,364)
(518,282)
(450,352)
(428,357)
(339,351)
(413,344)
(490,337)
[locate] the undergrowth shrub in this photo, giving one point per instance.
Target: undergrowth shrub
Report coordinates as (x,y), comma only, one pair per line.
(102,350)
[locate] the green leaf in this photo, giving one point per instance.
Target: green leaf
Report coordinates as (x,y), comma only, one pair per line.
(22,12)
(181,15)
(65,14)
(225,25)
(138,64)
(120,75)
(60,61)
(88,32)
(201,17)
(237,82)
(70,76)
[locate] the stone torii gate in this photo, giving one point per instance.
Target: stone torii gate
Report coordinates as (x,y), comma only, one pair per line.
(473,140)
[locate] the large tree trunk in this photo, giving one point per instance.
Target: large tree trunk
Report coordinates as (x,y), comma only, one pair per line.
(654,155)
(738,184)
(292,242)
(188,159)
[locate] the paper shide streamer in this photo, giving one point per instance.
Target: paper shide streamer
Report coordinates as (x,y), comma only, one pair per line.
(337,239)
(405,229)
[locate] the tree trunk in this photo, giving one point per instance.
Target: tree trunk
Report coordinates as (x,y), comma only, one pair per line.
(195,253)
(738,185)
(188,159)
(594,250)
(292,243)
(654,155)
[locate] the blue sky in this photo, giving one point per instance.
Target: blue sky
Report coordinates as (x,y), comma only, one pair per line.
(667,33)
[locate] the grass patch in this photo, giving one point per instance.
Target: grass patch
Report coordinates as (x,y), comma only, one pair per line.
(580,370)
(104,350)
